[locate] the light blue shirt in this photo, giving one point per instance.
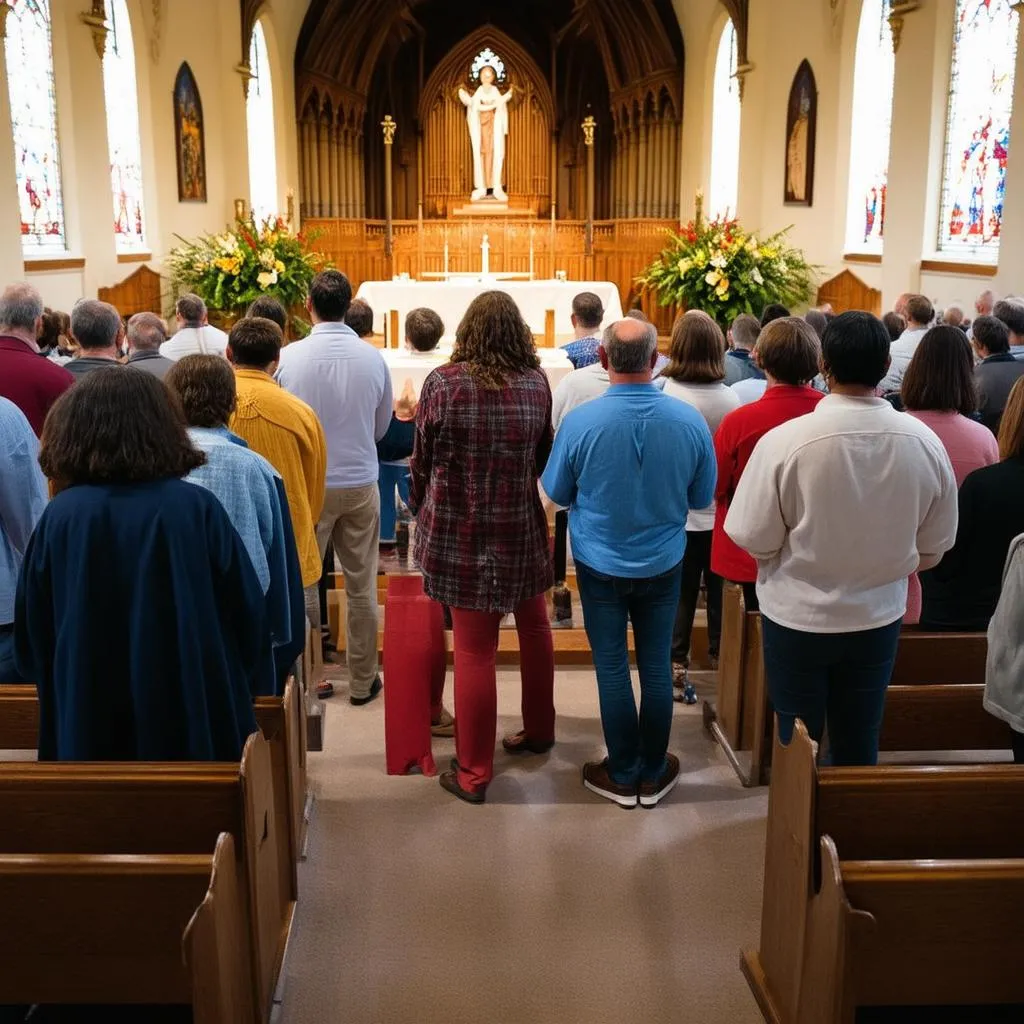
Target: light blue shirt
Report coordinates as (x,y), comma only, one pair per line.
(348,385)
(630,465)
(22,499)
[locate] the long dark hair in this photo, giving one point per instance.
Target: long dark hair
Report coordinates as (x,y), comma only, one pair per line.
(117,425)
(494,340)
(940,377)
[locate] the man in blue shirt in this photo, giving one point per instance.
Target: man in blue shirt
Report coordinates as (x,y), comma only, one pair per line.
(347,384)
(630,465)
(22,500)
(587,317)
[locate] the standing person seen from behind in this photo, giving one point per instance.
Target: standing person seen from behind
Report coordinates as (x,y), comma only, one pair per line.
(629,466)
(695,375)
(483,434)
(998,370)
(789,353)
(347,384)
(195,335)
(587,316)
(839,507)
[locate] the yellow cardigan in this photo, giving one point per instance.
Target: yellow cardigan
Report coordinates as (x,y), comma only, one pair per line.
(288,434)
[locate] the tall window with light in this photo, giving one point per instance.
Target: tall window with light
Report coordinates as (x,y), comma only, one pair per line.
(34,119)
(260,123)
(725,137)
(873,81)
(122,101)
(978,128)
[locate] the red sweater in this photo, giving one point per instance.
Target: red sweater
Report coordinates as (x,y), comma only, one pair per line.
(735,441)
(30,380)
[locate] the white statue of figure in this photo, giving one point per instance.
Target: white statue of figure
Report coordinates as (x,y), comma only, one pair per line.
(487,114)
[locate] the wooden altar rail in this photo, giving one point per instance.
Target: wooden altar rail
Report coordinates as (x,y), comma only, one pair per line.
(622,250)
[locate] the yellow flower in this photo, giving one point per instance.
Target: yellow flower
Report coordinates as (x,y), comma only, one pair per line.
(684,266)
(279,267)
(722,291)
(225,265)
(713,277)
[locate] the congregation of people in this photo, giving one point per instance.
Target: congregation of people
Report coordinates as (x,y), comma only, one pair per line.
(171,503)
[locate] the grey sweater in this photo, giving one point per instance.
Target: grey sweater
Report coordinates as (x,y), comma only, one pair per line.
(1004,670)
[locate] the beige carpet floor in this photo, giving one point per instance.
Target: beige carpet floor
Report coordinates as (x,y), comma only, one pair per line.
(547,905)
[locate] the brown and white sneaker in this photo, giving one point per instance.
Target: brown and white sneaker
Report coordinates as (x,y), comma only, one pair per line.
(597,780)
(652,793)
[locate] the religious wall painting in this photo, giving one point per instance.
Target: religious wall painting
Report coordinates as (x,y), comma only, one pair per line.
(190,142)
(801,131)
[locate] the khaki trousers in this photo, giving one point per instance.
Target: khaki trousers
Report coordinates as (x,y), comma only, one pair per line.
(351,519)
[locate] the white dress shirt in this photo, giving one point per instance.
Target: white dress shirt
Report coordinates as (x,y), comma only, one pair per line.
(347,384)
(901,351)
(839,507)
(195,341)
(578,387)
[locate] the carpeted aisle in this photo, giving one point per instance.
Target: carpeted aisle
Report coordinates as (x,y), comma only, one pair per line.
(545,906)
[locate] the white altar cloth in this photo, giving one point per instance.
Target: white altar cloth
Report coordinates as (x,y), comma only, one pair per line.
(451,298)
(405,366)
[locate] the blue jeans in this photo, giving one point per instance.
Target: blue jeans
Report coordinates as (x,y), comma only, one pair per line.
(840,678)
(8,671)
(389,477)
(637,744)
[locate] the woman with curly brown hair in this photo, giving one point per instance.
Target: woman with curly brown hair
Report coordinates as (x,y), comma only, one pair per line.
(483,436)
(139,615)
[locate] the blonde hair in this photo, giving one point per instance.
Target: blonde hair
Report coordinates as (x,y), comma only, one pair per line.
(1011,427)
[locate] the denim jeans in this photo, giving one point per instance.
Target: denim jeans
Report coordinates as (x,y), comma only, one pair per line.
(390,477)
(8,672)
(840,678)
(637,744)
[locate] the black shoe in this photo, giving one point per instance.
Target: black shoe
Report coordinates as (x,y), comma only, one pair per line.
(450,781)
(371,696)
(520,743)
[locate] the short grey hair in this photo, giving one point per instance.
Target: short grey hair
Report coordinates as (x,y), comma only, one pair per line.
(954,314)
(95,324)
(632,353)
(190,308)
(21,306)
(745,329)
(146,332)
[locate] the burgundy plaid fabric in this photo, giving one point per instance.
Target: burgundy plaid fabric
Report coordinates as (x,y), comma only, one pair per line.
(481,532)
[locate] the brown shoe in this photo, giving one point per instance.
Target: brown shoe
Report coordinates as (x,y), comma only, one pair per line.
(651,793)
(444,726)
(597,780)
(450,781)
(519,743)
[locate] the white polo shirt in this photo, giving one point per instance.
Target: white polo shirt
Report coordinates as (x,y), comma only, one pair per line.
(195,341)
(838,507)
(578,387)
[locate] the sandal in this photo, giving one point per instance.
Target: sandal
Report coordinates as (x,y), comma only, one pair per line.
(520,743)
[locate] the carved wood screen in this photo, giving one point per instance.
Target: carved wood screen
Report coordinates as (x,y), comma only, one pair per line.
(448,158)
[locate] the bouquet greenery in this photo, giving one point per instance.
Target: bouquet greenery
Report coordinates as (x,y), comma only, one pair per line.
(230,270)
(718,267)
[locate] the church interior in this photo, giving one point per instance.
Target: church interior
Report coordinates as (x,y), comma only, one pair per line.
(428,149)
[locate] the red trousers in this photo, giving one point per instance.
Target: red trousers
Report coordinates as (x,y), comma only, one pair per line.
(476,689)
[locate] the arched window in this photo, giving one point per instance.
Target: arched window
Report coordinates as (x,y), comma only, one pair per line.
(122,100)
(978,128)
(725,131)
(34,118)
(873,80)
(259,115)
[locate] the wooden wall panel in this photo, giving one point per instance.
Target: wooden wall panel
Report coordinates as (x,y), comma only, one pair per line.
(622,249)
(847,291)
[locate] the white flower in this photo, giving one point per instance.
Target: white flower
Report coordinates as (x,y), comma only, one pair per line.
(756,276)
(720,262)
(228,243)
(713,277)
(684,266)
(267,278)
(267,259)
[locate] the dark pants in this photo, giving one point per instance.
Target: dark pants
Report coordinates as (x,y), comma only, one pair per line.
(697,564)
(840,678)
(1018,747)
(8,671)
(637,744)
(750,601)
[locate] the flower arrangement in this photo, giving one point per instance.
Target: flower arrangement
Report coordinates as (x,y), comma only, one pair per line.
(230,270)
(718,267)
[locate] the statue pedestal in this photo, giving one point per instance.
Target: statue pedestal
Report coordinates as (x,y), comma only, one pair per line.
(490,208)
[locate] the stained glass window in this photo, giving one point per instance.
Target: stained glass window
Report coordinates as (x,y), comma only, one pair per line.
(34,119)
(873,80)
(122,101)
(259,112)
(725,139)
(978,127)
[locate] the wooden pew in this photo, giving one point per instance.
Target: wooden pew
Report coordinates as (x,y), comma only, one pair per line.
(741,718)
(887,814)
(166,808)
(112,929)
(281,722)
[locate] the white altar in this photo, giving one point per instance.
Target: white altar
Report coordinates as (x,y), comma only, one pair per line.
(408,367)
(451,298)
